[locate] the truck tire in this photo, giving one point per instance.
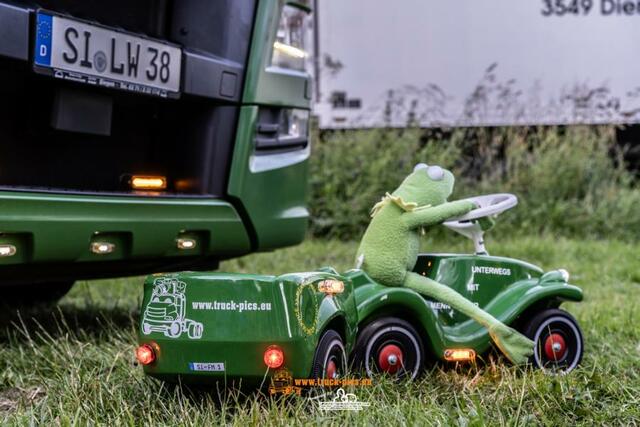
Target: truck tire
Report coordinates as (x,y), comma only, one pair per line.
(194,330)
(146,328)
(558,340)
(330,359)
(174,330)
(389,345)
(29,293)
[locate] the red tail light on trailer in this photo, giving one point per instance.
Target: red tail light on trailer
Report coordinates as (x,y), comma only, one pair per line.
(273,357)
(145,354)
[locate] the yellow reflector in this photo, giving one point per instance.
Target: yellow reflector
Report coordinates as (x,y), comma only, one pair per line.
(460,355)
(331,286)
(148,182)
(7,250)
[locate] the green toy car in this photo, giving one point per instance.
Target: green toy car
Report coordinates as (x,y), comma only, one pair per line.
(203,327)
(399,329)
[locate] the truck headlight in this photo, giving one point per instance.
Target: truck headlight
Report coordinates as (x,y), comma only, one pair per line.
(294,123)
(282,128)
(293,40)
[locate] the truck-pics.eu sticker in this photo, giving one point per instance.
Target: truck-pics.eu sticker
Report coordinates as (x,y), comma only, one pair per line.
(231,306)
(165,312)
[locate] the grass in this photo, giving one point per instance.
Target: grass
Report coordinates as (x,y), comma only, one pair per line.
(73,365)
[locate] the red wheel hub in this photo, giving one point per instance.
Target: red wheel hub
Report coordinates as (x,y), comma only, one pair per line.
(555,347)
(390,358)
(331,370)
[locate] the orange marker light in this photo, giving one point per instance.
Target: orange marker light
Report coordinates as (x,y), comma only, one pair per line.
(139,182)
(273,357)
(331,286)
(460,355)
(145,354)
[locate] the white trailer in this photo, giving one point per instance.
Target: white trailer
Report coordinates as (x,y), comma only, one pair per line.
(439,63)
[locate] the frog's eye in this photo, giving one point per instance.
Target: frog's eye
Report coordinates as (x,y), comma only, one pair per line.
(420,166)
(436,173)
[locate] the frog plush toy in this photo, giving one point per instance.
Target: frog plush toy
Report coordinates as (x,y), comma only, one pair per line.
(389,248)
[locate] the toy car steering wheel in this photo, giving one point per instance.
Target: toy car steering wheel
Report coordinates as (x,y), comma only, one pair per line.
(490,204)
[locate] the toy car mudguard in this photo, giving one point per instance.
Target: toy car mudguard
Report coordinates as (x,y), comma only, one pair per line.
(210,326)
(373,299)
(514,288)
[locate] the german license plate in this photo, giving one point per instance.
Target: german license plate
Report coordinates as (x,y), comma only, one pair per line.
(92,54)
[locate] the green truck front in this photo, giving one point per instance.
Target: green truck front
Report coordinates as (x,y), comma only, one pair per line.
(101,178)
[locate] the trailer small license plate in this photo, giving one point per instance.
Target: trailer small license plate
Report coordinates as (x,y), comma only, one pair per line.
(96,55)
(207,367)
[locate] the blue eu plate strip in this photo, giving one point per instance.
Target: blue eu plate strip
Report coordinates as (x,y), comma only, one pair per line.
(44,34)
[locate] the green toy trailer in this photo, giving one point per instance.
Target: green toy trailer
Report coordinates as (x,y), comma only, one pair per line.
(144,136)
(203,327)
(211,326)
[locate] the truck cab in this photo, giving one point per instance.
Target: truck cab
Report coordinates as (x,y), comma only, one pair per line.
(151,135)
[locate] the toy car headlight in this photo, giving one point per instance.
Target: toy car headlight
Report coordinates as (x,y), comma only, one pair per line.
(293,39)
(331,286)
(554,276)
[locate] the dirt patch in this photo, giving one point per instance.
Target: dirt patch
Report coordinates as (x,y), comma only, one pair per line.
(14,397)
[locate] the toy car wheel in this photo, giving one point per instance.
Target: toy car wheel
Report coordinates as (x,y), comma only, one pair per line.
(330,359)
(173,331)
(558,340)
(390,345)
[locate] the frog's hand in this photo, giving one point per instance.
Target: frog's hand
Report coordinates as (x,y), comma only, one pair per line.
(427,216)
(515,346)
(487,222)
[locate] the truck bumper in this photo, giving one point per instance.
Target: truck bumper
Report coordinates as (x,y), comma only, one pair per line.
(61,230)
